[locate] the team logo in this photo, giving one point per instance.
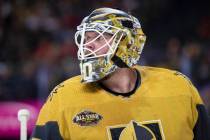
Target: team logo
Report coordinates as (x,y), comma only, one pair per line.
(150,130)
(87,118)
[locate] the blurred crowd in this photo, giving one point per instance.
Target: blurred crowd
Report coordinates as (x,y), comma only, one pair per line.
(37,49)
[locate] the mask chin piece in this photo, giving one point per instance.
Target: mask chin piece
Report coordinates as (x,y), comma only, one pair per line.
(88,72)
(96,69)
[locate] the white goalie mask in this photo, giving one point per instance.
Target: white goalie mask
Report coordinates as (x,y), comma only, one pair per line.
(105,43)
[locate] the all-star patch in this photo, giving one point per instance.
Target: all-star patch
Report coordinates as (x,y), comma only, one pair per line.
(87,118)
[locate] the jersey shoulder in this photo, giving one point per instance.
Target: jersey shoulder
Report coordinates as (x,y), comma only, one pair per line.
(165,78)
(65,86)
(162,73)
(73,92)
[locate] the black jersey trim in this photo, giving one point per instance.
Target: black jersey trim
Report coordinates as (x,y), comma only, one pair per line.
(49,131)
(128,94)
(202,127)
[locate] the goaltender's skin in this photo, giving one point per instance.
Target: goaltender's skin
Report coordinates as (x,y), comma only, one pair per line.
(130,103)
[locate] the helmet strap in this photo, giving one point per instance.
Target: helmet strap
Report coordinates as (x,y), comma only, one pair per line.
(117,61)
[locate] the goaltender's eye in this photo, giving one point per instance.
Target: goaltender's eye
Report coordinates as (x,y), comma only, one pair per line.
(100,38)
(90,36)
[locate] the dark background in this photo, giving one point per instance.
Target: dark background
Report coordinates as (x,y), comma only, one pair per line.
(37,49)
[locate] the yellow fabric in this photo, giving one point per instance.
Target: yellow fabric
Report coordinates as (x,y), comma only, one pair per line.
(164,96)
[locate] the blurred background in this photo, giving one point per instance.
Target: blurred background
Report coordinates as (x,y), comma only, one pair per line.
(37,49)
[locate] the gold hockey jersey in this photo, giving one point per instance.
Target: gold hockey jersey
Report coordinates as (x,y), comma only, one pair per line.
(163,107)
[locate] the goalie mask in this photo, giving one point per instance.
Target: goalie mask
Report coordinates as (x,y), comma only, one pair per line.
(108,39)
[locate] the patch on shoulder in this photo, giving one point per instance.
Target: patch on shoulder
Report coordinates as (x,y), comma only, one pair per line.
(87,118)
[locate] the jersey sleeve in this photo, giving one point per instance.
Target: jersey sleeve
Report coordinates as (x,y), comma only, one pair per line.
(202,124)
(51,121)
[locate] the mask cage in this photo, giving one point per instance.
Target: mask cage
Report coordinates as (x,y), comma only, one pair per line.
(85,53)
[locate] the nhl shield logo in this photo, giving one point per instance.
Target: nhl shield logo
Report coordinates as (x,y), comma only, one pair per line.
(87,118)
